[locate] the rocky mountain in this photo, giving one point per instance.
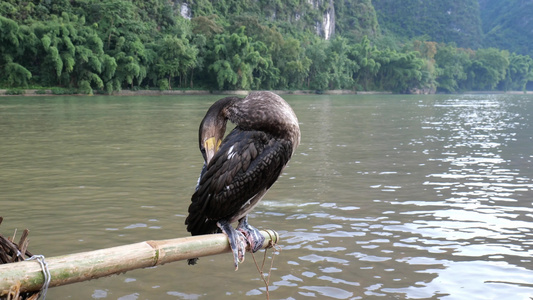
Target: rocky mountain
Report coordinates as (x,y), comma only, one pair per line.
(504,24)
(508,24)
(351,18)
(437,20)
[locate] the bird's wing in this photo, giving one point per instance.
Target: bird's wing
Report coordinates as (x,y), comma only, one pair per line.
(247,163)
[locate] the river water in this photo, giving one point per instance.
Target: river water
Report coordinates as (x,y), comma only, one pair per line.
(388,197)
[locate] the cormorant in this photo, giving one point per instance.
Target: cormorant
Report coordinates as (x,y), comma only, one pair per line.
(240,169)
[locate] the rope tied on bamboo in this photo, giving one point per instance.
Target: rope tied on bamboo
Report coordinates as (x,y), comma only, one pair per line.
(46,272)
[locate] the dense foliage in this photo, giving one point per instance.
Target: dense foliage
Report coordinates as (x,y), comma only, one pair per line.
(110,45)
(503,24)
(443,20)
(508,24)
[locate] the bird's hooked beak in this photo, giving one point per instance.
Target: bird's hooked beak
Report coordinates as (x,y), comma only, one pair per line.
(211,146)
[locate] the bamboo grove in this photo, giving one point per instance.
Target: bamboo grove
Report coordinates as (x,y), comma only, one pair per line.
(109,45)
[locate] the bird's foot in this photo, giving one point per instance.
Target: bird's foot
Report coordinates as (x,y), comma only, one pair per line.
(238,253)
(237,242)
(253,235)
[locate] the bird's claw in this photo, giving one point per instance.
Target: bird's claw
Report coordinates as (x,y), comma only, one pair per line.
(237,242)
(238,253)
(245,235)
(253,236)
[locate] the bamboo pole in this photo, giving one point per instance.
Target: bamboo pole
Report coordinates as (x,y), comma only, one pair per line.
(84,266)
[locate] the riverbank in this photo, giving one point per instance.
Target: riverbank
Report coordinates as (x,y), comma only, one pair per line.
(49,92)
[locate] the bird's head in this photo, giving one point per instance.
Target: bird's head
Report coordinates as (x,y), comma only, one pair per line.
(210,146)
(213,128)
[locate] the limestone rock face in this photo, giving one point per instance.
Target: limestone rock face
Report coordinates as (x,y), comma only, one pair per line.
(326,28)
(353,19)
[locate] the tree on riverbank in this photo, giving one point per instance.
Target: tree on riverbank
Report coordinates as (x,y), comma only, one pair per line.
(111,45)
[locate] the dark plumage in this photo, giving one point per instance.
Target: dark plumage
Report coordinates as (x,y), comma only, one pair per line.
(240,169)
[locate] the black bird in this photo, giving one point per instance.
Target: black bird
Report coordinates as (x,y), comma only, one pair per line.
(240,169)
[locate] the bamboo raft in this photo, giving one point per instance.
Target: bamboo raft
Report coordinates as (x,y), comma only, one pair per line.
(28,276)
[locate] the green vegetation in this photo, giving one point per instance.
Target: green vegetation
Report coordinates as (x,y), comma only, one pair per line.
(444,21)
(508,25)
(89,46)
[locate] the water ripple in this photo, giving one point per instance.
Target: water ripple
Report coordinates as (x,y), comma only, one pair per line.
(390,197)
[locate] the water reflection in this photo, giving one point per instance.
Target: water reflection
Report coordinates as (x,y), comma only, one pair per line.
(483,215)
(387,196)
(439,219)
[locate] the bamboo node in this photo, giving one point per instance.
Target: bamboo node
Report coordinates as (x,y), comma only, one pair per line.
(157,251)
(273,241)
